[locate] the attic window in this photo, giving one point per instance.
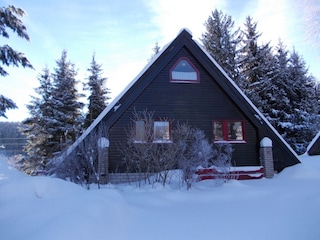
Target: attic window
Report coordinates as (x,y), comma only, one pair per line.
(184,72)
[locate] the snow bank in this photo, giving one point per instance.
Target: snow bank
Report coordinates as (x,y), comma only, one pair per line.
(49,208)
(284,207)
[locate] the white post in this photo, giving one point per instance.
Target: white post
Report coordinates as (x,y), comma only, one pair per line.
(266,157)
(103,160)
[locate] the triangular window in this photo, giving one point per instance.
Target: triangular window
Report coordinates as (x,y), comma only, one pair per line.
(184,71)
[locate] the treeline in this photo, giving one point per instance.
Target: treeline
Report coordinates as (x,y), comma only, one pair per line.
(12,141)
(275,79)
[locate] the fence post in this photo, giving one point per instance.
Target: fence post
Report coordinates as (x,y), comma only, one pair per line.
(266,157)
(103,160)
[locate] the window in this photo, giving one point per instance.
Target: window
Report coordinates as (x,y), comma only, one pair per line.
(231,131)
(161,132)
(184,71)
(140,131)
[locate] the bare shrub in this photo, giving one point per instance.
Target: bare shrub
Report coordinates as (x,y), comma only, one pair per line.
(188,150)
(81,166)
(152,161)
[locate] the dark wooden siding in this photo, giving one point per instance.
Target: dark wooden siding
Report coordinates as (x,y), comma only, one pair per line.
(195,103)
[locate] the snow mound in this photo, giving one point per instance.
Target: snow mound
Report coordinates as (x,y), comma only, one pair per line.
(285,207)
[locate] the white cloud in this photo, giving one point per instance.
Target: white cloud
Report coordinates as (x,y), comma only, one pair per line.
(171,16)
(273,17)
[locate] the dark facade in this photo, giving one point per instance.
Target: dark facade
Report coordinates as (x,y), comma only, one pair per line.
(210,96)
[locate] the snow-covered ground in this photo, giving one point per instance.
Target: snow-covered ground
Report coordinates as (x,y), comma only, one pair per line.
(284,207)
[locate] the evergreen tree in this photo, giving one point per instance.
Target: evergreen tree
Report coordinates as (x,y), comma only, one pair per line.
(275,93)
(98,98)
(221,42)
(37,126)
(66,108)
(10,18)
(289,100)
(305,106)
(256,63)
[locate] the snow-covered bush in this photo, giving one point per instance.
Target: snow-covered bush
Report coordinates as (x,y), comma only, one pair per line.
(222,155)
(194,150)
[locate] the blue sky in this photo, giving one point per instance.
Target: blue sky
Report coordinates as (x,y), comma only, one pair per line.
(122,33)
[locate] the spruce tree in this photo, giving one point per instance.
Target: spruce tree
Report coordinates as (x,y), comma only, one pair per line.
(305,106)
(222,42)
(10,18)
(289,99)
(36,126)
(256,63)
(66,108)
(98,98)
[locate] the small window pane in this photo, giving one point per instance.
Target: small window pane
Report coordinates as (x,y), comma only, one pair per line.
(161,131)
(235,131)
(218,130)
(139,131)
(184,76)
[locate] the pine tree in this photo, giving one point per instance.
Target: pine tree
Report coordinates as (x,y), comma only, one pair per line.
(275,93)
(256,63)
(98,98)
(67,122)
(10,18)
(37,125)
(289,99)
(221,42)
(305,106)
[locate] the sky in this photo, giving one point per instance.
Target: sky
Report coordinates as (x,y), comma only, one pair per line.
(122,34)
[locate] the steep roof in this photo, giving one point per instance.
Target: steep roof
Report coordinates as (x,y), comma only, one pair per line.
(135,87)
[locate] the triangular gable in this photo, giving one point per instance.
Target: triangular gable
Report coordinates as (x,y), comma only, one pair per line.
(117,106)
(314,146)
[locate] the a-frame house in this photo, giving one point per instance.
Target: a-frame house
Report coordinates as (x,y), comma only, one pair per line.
(183,82)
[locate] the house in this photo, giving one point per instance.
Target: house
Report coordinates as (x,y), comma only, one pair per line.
(314,146)
(183,82)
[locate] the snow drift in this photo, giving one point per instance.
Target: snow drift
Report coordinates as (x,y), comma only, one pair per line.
(284,207)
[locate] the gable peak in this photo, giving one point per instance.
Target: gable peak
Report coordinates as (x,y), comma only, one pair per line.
(185,31)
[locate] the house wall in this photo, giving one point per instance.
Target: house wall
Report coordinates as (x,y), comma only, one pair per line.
(195,103)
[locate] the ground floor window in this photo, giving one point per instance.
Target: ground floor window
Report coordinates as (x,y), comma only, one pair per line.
(228,130)
(159,133)
(139,131)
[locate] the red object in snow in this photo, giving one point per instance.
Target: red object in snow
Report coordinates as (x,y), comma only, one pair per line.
(237,173)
